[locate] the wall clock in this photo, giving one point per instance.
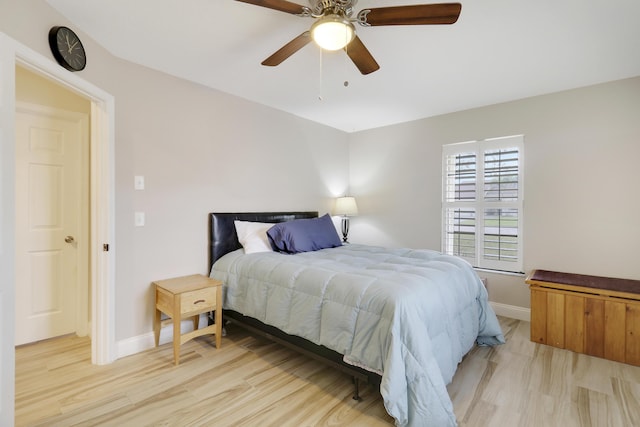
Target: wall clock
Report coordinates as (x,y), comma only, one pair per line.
(67,48)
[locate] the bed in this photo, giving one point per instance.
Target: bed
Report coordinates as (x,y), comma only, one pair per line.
(378,314)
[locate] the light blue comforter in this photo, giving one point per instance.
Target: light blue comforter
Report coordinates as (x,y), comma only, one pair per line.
(410,315)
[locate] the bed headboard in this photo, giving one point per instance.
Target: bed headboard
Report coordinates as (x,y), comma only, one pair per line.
(222,232)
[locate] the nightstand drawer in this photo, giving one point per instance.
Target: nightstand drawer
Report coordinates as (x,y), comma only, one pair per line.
(197,300)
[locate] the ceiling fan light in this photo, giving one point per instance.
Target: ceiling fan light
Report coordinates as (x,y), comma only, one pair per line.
(332,32)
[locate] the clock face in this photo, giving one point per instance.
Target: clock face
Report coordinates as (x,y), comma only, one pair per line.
(67,48)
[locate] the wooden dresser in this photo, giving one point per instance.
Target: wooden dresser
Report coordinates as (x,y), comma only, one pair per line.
(598,316)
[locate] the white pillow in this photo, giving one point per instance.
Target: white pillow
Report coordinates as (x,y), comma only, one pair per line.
(253,236)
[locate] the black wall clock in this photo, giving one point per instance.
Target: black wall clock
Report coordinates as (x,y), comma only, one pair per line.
(67,48)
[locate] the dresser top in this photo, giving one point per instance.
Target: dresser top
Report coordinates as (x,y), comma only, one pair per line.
(182,284)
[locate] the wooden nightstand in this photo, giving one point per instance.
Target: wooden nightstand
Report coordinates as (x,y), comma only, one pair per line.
(183,297)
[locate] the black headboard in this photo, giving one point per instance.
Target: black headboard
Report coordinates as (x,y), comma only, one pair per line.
(222,232)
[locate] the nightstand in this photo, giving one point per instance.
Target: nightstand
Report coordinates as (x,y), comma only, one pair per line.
(183,297)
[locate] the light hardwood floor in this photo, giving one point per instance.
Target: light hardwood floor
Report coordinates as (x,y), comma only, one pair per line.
(251,382)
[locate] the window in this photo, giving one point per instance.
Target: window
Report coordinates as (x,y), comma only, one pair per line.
(482,206)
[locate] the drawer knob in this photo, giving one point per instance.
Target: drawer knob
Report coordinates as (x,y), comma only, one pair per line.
(198,301)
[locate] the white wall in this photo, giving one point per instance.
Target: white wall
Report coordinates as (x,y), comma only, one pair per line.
(581,173)
(7,234)
(200,151)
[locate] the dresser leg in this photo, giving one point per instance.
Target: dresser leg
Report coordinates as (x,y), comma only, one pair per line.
(156,326)
(176,341)
(218,328)
(176,329)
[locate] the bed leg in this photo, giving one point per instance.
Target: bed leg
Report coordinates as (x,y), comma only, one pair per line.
(356,385)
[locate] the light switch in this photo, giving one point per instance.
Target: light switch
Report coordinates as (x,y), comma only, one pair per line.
(139,219)
(138,182)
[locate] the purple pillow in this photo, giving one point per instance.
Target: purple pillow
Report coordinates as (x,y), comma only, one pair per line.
(304,235)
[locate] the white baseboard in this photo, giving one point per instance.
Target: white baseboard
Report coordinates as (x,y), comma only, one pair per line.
(146,341)
(511,311)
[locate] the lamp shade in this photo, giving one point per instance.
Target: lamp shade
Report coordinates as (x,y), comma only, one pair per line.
(332,32)
(346,206)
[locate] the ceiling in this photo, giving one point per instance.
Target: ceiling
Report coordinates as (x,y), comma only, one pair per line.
(499,50)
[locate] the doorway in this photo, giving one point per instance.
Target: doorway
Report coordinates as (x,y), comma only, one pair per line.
(101,233)
(52,210)
(101,187)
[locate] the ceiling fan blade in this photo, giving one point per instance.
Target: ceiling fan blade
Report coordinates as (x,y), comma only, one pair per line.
(419,14)
(281,5)
(288,49)
(361,56)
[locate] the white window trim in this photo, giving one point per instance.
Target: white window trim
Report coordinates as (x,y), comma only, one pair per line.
(479,205)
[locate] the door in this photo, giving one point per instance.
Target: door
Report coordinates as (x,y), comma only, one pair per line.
(49,221)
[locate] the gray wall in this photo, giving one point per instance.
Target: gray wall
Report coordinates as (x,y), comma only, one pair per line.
(581,174)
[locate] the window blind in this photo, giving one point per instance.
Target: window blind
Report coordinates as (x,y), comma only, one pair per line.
(482,202)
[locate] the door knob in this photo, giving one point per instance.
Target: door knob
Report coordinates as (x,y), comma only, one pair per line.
(69,239)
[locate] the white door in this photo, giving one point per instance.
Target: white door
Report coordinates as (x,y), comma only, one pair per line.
(48,223)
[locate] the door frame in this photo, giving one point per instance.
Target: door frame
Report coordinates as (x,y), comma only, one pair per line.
(102,186)
(102,205)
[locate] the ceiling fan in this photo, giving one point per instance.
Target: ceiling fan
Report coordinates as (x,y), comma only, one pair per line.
(334,29)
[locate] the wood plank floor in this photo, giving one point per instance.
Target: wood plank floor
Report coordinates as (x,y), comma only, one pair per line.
(251,382)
